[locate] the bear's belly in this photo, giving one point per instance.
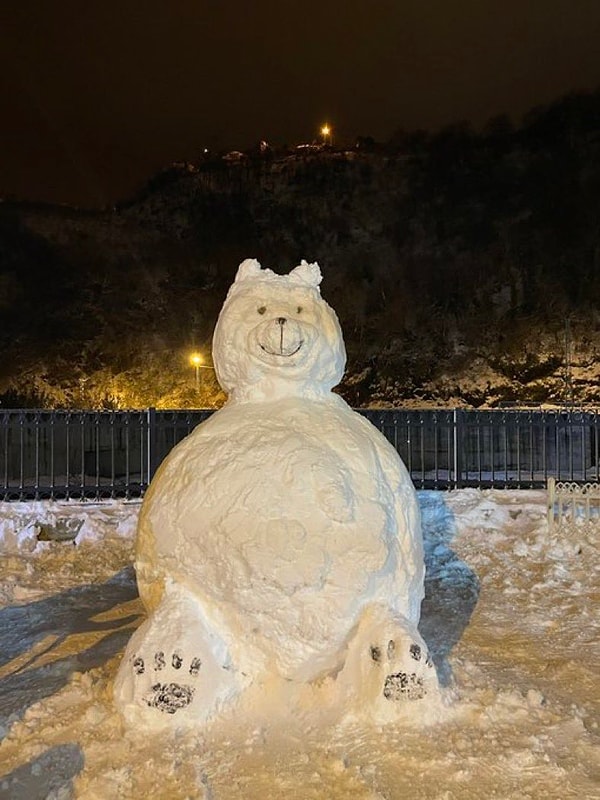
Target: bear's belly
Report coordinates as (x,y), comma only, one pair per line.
(285,536)
(289,524)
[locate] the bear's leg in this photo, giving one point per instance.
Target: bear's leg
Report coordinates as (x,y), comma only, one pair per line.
(387,662)
(175,669)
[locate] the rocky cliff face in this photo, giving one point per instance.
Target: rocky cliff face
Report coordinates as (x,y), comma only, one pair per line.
(465,269)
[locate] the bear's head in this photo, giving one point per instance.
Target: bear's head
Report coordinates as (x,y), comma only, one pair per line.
(276,336)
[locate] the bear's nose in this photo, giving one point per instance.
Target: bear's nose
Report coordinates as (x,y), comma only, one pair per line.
(281,320)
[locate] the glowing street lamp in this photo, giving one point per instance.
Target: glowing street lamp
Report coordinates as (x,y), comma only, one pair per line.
(196,360)
(326,133)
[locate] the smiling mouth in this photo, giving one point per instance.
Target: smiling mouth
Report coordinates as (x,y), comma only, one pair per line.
(282,354)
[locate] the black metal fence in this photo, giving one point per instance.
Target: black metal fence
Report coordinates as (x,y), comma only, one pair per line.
(96,454)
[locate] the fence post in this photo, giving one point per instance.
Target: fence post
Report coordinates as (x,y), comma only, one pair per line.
(151,443)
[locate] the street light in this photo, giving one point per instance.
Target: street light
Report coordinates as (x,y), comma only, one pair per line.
(326,133)
(196,360)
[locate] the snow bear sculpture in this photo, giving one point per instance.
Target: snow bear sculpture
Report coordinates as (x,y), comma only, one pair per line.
(279,543)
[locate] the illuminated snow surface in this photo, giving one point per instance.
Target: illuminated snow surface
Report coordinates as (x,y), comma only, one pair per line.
(511,617)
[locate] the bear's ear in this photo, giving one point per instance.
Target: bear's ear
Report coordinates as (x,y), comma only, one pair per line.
(306,274)
(250,268)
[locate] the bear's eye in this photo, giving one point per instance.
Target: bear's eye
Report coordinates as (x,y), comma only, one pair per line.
(299,310)
(262,309)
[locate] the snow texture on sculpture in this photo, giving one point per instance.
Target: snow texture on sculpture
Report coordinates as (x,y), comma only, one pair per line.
(280,542)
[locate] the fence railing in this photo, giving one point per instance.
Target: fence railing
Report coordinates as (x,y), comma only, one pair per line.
(85,454)
(573,506)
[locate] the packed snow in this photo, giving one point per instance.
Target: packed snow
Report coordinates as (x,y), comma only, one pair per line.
(279,550)
(511,617)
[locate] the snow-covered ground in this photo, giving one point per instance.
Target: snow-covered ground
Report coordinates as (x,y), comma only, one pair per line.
(512,617)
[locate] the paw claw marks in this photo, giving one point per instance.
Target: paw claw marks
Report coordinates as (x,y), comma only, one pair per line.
(169,696)
(375,653)
(176,661)
(415,652)
(138,665)
(195,666)
(402,685)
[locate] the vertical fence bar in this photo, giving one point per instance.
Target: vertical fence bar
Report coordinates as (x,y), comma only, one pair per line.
(68,452)
(583,450)
(126,429)
(518,440)
(597,473)
(543,426)
(36,428)
(144,445)
(493,449)
(113,468)
(82,447)
(557,445)
(505,432)
(436,447)
(151,440)
(96,442)
(409,444)
(51,474)
(570,442)
(21,451)
(455,448)
(449,444)
(4,430)
(5,439)
(478,421)
(531,449)
(456,459)
(422,448)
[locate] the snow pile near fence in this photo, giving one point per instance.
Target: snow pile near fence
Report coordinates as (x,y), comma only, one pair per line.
(31,567)
(20,523)
(511,616)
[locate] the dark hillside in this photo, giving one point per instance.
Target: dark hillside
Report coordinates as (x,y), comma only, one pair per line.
(464,267)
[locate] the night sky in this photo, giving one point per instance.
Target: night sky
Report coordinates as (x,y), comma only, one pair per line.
(98,95)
